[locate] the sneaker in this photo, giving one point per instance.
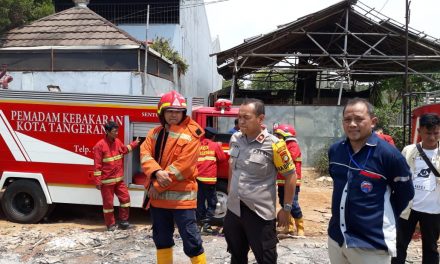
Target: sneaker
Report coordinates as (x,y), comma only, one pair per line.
(112,228)
(124,225)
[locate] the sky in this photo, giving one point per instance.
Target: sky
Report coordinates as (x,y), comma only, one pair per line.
(235,20)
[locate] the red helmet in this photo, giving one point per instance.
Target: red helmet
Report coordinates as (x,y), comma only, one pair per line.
(284,130)
(171,100)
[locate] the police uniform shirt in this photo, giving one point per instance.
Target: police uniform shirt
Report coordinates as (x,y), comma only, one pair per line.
(254,167)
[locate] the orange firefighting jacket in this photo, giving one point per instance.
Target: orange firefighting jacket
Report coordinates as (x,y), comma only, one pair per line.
(109,162)
(295,152)
(210,153)
(179,158)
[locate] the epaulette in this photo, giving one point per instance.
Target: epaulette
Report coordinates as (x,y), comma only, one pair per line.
(195,129)
(274,139)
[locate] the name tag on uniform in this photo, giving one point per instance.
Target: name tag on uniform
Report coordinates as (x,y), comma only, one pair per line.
(234,151)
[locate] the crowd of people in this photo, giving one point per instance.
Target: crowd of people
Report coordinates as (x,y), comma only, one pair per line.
(379,194)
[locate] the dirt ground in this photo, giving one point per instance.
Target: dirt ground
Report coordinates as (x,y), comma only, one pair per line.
(76,234)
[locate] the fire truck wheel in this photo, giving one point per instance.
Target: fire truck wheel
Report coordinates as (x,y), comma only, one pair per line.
(222,197)
(24,202)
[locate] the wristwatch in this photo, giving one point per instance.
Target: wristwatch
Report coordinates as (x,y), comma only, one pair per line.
(287,207)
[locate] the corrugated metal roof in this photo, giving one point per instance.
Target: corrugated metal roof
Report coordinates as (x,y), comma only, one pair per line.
(77,26)
(372,40)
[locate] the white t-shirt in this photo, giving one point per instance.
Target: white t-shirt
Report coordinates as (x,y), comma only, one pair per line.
(427,190)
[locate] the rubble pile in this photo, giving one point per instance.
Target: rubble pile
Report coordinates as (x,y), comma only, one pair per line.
(34,244)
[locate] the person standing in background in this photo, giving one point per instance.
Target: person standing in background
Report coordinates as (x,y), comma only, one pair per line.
(382,135)
(211,153)
(236,128)
(287,133)
(424,160)
(109,175)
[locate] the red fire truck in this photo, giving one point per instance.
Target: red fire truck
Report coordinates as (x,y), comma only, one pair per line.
(423,102)
(46,141)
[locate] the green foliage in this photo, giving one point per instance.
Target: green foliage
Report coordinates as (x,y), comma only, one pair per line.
(228,83)
(16,13)
(276,80)
(387,98)
(386,115)
(163,46)
(321,161)
(397,134)
(390,91)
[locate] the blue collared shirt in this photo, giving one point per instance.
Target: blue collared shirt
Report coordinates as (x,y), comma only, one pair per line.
(370,190)
(233,130)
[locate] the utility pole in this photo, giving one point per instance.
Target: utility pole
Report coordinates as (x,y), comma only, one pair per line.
(407,93)
(146,52)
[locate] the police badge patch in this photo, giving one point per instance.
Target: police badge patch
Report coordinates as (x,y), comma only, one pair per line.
(281,157)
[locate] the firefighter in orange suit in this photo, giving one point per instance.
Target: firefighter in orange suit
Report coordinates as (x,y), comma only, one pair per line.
(168,156)
(288,134)
(210,154)
(109,175)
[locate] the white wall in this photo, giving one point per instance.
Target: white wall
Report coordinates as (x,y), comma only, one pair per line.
(129,83)
(167,31)
(192,39)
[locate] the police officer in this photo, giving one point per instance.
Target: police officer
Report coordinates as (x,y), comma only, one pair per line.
(256,157)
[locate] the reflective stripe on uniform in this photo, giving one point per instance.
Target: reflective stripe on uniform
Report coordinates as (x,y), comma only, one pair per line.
(298,181)
(154,136)
(146,158)
(401,179)
(298,159)
(97,173)
(178,196)
(180,135)
(207,179)
(106,181)
(129,148)
(125,205)
(207,158)
(162,106)
(106,211)
(114,158)
(176,172)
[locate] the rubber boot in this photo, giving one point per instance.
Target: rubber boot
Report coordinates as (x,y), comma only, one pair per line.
(291,227)
(200,259)
(299,222)
(164,256)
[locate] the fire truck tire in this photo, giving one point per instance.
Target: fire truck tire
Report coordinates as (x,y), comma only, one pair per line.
(24,202)
(222,197)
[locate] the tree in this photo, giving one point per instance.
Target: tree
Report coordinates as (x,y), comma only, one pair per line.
(228,84)
(16,13)
(391,90)
(274,80)
(387,98)
(163,46)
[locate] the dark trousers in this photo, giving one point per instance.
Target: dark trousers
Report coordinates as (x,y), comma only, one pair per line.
(250,231)
(296,209)
(206,202)
(108,192)
(429,228)
(163,229)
